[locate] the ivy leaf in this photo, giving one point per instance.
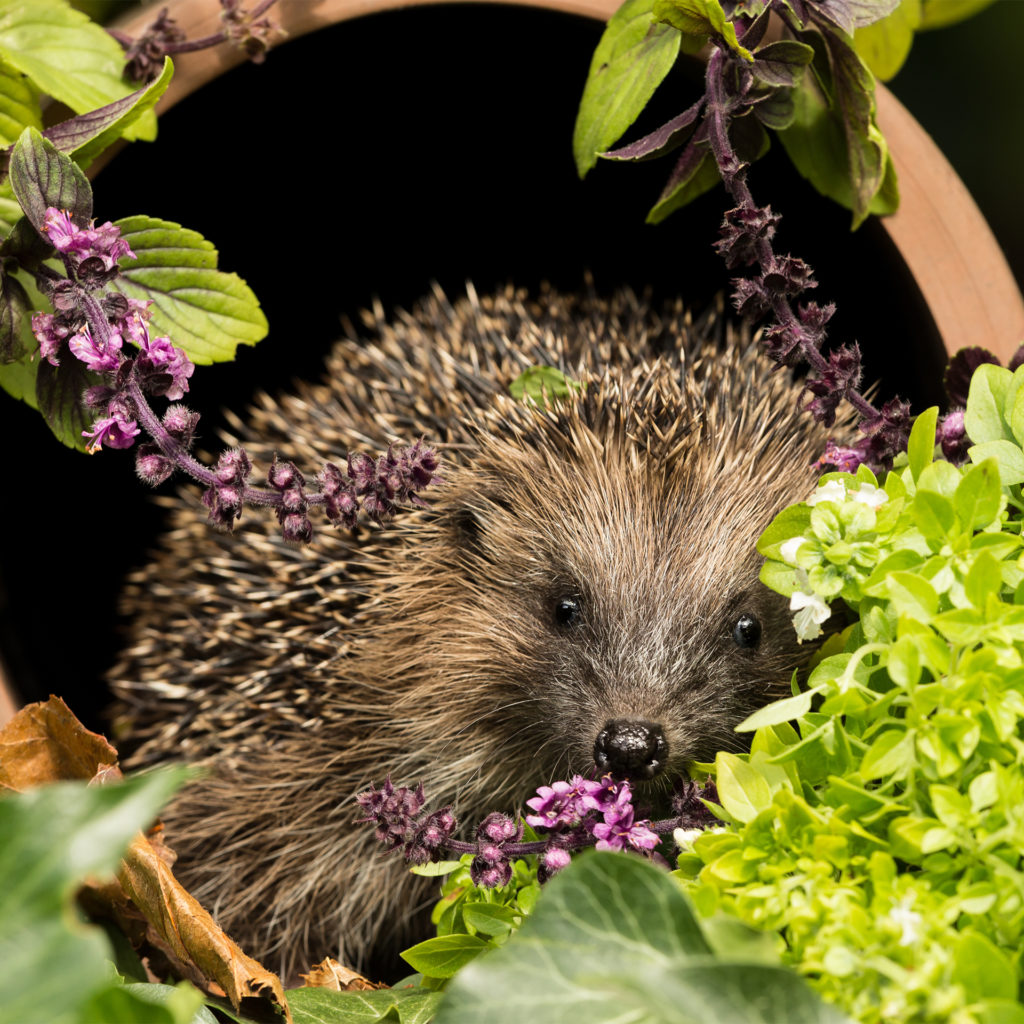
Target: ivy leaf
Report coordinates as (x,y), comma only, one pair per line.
(203,310)
(65,55)
(87,135)
(701,18)
(323,1006)
(614,939)
(630,62)
(42,177)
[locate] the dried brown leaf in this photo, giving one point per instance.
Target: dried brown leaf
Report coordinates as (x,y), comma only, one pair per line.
(191,932)
(44,742)
(330,974)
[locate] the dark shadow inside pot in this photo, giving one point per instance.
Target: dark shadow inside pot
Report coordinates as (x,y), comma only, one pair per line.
(367,161)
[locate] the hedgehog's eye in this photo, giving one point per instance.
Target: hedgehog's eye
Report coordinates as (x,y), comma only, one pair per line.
(568,612)
(747,631)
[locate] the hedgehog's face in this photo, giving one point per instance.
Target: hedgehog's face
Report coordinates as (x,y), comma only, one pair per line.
(617,600)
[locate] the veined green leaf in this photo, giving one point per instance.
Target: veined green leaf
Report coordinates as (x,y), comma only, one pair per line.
(203,310)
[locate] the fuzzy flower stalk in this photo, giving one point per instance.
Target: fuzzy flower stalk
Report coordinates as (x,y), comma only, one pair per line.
(569,816)
(110,334)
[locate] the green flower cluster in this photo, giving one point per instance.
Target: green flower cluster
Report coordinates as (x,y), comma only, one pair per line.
(878,822)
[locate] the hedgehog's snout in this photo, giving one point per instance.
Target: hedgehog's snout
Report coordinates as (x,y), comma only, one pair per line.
(631,748)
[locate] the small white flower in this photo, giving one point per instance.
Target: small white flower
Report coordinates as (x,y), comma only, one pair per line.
(868,494)
(834,490)
(811,611)
(684,837)
(907,920)
(787,551)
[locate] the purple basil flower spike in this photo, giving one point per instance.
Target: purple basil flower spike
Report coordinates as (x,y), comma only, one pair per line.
(112,432)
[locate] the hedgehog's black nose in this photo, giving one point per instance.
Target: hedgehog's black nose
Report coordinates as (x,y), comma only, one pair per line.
(631,749)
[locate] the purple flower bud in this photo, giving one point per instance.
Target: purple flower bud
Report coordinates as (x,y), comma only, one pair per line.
(283,475)
(233,465)
(749,298)
(98,395)
(951,434)
(886,433)
(742,229)
(152,467)
(51,332)
(555,858)
(834,383)
(497,828)
(296,527)
(957,378)
(492,876)
(788,276)
(181,422)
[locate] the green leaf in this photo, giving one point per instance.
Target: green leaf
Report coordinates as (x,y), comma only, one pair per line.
(982,969)
(41,176)
(701,18)
(977,498)
(921,444)
(88,134)
(742,790)
(885,44)
(19,106)
(691,177)
(792,521)
(911,595)
(939,13)
(13,306)
(785,710)
(321,1006)
(66,55)
(54,837)
(632,58)
(933,515)
(139,1003)
(1008,457)
(489,918)
(892,752)
(613,940)
(539,383)
(986,397)
(204,311)
(443,956)
(984,579)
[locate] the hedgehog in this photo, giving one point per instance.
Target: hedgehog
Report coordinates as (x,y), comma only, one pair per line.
(581,591)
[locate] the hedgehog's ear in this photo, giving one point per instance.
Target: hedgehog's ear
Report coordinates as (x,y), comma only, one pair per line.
(468,522)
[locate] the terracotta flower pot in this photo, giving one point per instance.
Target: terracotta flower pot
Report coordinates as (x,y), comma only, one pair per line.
(385,208)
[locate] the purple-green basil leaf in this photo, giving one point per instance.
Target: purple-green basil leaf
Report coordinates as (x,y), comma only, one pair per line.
(87,135)
(694,174)
(630,62)
(782,62)
(669,136)
(847,15)
(775,109)
(13,306)
(41,177)
(59,391)
(203,310)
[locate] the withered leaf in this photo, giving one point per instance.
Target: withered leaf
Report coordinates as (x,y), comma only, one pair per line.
(44,742)
(330,974)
